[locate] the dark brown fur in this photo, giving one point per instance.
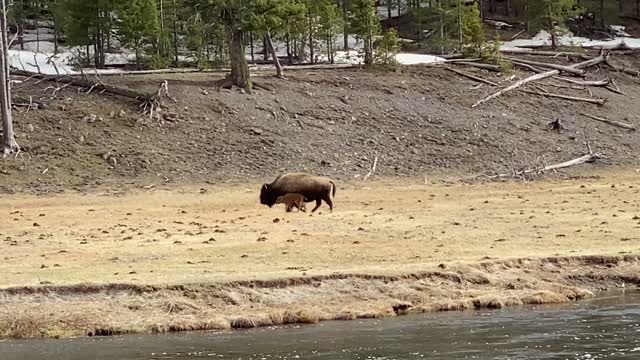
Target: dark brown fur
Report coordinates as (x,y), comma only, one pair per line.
(292,200)
(313,188)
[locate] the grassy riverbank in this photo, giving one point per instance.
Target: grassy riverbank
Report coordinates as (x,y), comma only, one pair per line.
(212,258)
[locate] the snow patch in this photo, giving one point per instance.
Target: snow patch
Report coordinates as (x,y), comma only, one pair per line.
(37,62)
(543,38)
(412,59)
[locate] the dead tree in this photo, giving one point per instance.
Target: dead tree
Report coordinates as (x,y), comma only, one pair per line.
(149,103)
(544,75)
(276,61)
(9,144)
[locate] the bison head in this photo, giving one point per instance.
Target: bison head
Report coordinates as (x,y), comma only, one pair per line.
(267,197)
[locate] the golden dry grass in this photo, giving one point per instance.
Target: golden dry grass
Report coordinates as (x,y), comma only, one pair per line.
(223,235)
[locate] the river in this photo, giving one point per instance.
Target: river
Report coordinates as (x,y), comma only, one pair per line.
(604,327)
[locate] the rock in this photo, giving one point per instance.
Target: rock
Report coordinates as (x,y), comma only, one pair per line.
(91,118)
(173,117)
(31,128)
(122,113)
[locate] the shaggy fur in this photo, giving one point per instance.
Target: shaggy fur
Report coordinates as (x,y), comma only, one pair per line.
(313,188)
(292,200)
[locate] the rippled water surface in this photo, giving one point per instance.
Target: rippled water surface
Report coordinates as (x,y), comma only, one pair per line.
(606,327)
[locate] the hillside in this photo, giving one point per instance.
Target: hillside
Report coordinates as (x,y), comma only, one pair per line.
(417,121)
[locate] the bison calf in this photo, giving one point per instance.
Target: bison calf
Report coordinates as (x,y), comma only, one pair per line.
(291,201)
(312,188)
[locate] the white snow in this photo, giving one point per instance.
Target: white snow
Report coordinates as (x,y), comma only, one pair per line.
(37,62)
(543,38)
(411,59)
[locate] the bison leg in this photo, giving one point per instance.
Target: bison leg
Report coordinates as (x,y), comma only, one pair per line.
(327,199)
(289,206)
(318,203)
(303,207)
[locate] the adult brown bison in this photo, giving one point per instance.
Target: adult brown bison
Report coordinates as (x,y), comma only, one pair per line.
(313,188)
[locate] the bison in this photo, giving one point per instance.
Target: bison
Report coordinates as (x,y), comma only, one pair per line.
(313,188)
(291,201)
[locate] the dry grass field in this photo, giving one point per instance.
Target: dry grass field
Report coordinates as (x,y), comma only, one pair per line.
(201,258)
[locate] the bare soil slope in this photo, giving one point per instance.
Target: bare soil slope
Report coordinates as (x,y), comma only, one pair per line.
(418,122)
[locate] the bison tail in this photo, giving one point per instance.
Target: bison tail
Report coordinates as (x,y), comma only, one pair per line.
(334,189)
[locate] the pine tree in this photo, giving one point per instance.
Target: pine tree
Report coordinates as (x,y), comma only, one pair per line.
(330,25)
(550,15)
(294,27)
(137,25)
(473,36)
(88,23)
(270,19)
(365,25)
(387,49)
(195,39)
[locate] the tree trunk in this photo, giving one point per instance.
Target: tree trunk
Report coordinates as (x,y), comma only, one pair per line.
(137,57)
(35,23)
(276,61)
(311,51)
(175,34)
(389,3)
(345,18)
(21,25)
(265,48)
(253,49)
(9,144)
(289,53)
(55,30)
(239,68)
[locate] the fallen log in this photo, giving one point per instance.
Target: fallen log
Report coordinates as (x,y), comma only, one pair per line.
(517,85)
(603,82)
(472,77)
(581,160)
(566,97)
(528,67)
(590,157)
(373,169)
(518,34)
(541,76)
(572,87)
(148,103)
(533,52)
(619,124)
(494,68)
(624,70)
(563,68)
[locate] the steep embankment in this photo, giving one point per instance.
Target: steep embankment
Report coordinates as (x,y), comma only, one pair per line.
(417,122)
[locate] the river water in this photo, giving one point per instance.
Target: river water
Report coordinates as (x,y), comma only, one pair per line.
(605,327)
